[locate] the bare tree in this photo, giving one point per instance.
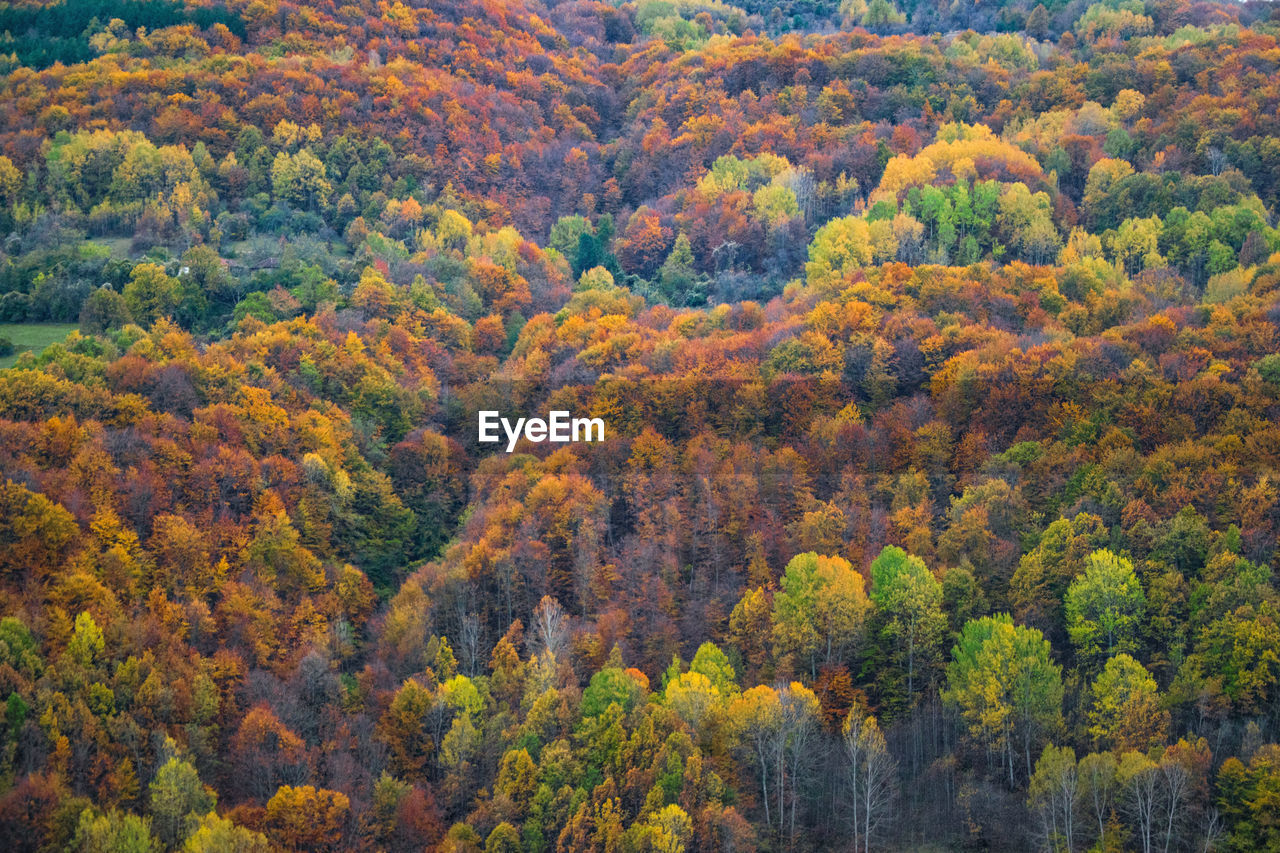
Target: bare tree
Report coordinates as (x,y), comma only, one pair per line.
(551,626)
(1217,159)
(799,730)
(1054,795)
(469,640)
(1097,775)
(873,778)
(1141,780)
(1212,830)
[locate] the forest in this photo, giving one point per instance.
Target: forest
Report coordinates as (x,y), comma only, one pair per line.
(938,350)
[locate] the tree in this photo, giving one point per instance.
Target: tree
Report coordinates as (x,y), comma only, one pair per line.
(710,661)
(550,626)
(776,728)
(1126,708)
(10,181)
(1134,245)
(1097,780)
(1037,25)
(1184,772)
(1139,782)
(872,776)
(35,533)
(1243,649)
(669,830)
(1054,794)
(708,686)
(820,613)
(565,234)
(265,754)
(1104,608)
(676,276)
(114,832)
(881,14)
(644,242)
(503,839)
(1025,224)
(150,294)
(692,696)
(1006,687)
(207,280)
(750,629)
(219,835)
(103,310)
(1040,583)
(405,731)
(307,818)
(908,600)
(300,179)
(838,249)
(1247,797)
(178,801)
(801,714)
(87,644)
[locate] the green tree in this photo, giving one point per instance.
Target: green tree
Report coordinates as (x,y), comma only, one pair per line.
(18,648)
(1248,796)
(114,832)
(1133,245)
(503,839)
(1006,687)
(103,310)
(710,661)
(881,14)
(178,801)
(151,294)
(1242,648)
(206,284)
(1040,583)
(1104,608)
(87,643)
(839,248)
(676,276)
(300,180)
(908,600)
(1025,224)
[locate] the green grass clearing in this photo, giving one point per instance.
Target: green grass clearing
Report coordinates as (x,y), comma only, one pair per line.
(120,247)
(32,336)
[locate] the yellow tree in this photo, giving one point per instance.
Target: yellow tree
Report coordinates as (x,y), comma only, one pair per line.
(820,613)
(1126,712)
(307,818)
(778,729)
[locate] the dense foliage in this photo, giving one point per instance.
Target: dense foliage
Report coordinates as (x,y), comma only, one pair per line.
(940,499)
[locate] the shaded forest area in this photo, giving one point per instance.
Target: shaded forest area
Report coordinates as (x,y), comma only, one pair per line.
(939,351)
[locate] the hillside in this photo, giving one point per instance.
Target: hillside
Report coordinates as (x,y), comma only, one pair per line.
(938,352)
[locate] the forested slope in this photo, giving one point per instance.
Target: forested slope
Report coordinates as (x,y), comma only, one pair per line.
(939,353)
